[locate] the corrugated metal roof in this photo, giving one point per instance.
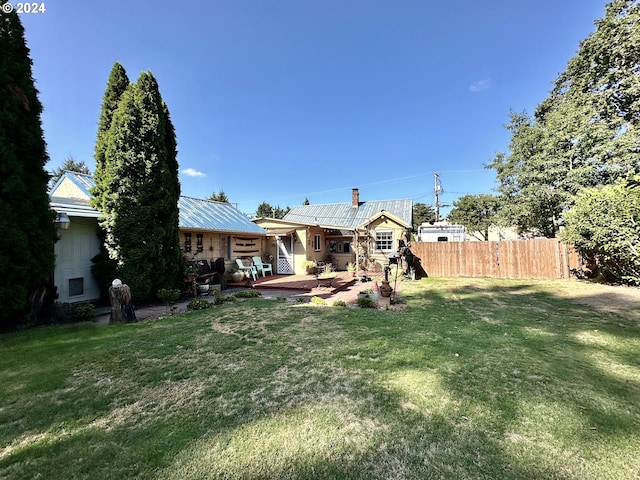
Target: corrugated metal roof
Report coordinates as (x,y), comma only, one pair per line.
(345,216)
(197,213)
(74,207)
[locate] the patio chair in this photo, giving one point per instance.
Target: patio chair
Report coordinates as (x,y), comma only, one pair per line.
(247,269)
(262,267)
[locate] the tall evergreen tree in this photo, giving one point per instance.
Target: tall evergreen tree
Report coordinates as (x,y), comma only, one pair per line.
(140,214)
(219,197)
(477,213)
(116,86)
(26,220)
(585,134)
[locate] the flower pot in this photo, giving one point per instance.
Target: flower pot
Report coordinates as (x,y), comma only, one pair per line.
(204,288)
(385,289)
(237,276)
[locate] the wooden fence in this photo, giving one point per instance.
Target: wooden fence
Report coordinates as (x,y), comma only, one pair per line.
(540,258)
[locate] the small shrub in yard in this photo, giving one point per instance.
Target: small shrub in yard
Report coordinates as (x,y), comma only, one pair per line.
(84,312)
(318,301)
(339,303)
(366,302)
(218,297)
(169,297)
(247,294)
(199,304)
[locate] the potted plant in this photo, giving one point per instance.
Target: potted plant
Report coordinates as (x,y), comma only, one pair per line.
(236,275)
(310,266)
(189,273)
(351,268)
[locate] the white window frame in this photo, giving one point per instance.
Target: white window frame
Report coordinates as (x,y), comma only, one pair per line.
(388,240)
(317,242)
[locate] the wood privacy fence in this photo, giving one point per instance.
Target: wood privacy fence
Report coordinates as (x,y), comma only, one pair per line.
(540,258)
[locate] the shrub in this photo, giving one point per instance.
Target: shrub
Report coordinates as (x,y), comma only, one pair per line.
(218,297)
(604,227)
(366,302)
(84,312)
(199,304)
(247,294)
(339,303)
(169,297)
(318,301)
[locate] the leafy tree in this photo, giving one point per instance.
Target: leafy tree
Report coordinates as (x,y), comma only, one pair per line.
(26,220)
(219,197)
(422,213)
(477,213)
(69,165)
(585,134)
(267,211)
(141,214)
(116,86)
(604,226)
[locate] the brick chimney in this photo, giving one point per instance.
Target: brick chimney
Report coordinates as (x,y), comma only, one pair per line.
(355,198)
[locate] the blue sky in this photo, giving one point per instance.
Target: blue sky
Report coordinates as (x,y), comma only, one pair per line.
(282,100)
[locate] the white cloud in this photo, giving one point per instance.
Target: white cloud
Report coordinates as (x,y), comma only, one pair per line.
(190,172)
(480,85)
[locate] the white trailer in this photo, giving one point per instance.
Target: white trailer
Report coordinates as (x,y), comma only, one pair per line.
(440,232)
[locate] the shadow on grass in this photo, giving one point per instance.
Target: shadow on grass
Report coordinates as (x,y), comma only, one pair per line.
(472,381)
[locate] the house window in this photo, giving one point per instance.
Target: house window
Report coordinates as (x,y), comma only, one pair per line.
(199,245)
(187,242)
(384,241)
(316,242)
(76,287)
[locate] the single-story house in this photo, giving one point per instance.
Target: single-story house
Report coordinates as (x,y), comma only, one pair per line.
(208,230)
(338,233)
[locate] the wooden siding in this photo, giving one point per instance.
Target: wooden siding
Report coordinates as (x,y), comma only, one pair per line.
(540,259)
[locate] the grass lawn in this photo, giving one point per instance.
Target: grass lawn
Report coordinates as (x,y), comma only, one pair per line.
(476,378)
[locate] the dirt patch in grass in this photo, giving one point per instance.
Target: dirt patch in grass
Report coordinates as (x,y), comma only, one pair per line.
(616,299)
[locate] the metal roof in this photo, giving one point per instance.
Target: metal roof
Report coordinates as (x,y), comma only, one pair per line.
(344,215)
(196,213)
(83,181)
(74,207)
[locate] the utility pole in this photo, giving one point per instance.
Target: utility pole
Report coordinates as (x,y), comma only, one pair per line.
(437,187)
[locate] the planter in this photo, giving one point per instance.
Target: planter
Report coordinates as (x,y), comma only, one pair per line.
(237,276)
(385,289)
(312,270)
(203,289)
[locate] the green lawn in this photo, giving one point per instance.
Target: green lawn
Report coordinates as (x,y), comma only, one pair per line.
(477,378)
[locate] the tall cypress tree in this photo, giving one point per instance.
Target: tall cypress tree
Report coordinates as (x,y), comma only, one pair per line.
(140,204)
(26,220)
(116,85)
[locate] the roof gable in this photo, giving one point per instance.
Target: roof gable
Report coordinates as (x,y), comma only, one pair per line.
(73,185)
(344,215)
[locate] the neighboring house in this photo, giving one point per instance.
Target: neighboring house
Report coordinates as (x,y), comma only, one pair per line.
(208,230)
(338,232)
